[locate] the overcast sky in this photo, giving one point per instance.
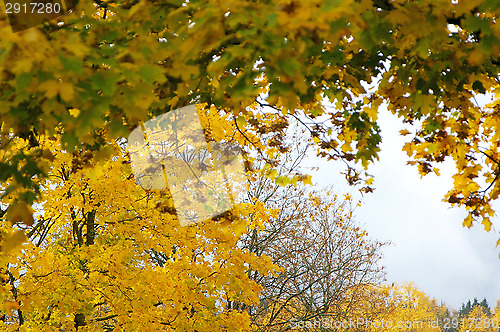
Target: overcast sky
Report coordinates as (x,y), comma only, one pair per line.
(430,247)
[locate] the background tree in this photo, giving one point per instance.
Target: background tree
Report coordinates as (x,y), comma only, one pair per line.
(410,309)
(466,308)
(478,319)
(329,267)
(329,264)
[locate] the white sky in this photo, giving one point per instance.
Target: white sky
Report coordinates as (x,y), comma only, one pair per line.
(429,245)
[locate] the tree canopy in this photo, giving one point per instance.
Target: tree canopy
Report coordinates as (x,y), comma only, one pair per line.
(95,74)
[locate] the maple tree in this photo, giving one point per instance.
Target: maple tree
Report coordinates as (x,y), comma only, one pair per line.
(107,255)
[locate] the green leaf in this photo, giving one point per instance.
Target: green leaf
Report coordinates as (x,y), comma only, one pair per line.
(72,63)
(478,86)
(488,42)
(474,23)
(336,25)
(152,74)
(289,66)
(272,20)
(23,80)
(105,82)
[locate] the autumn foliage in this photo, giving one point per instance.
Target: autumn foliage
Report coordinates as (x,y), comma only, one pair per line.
(83,247)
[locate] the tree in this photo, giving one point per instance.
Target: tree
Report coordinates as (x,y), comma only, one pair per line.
(95,74)
(329,265)
(449,320)
(410,309)
(478,319)
(486,307)
(496,315)
(467,308)
(107,255)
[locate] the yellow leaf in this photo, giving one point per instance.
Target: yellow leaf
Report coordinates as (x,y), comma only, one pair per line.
(23,65)
(486,223)
(20,212)
(404,132)
(271,174)
(13,241)
(239,227)
(468,221)
(475,57)
(74,112)
(51,88)
(66,91)
(408,148)
(173,102)
(135,9)
(307,180)
(282,180)
(103,154)
(346,147)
